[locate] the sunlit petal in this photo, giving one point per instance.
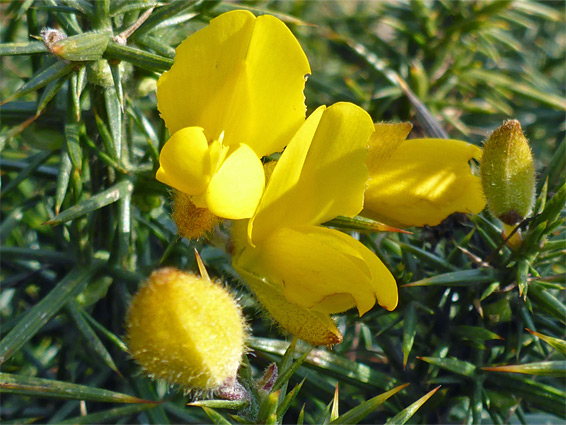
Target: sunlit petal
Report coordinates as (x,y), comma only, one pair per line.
(242,75)
(323,270)
(321,174)
(423,182)
(236,188)
(184,161)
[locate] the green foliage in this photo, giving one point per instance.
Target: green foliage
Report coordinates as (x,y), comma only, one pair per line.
(84,221)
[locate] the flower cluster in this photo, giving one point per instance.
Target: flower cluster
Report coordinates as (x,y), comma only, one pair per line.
(235,95)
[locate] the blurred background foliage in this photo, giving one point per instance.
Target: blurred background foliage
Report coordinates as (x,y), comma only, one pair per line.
(84,221)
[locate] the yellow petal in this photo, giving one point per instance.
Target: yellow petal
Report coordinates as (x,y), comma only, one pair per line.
(323,270)
(423,182)
(241,75)
(184,161)
(386,138)
(310,326)
(321,174)
(236,188)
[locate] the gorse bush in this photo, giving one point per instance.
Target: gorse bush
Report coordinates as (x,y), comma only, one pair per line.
(188,236)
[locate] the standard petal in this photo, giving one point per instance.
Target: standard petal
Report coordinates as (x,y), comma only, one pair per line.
(240,75)
(321,174)
(323,270)
(236,188)
(423,182)
(184,161)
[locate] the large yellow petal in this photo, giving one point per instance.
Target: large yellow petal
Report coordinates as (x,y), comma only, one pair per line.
(423,182)
(184,161)
(322,269)
(321,174)
(236,188)
(240,75)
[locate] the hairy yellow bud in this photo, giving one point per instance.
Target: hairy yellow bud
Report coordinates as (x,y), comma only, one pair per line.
(192,221)
(508,173)
(186,330)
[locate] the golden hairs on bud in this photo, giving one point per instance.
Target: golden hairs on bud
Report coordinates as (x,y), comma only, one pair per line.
(192,221)
(186,330)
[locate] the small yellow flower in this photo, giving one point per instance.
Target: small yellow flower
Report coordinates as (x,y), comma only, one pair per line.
(302,272)
(418,182)
(234,94)
(186,330)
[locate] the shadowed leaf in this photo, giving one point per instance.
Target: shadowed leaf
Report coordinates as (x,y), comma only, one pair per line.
(404,415)
(23,385)
(358,413)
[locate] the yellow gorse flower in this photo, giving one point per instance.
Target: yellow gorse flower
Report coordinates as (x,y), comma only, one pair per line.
(418,182)
(233,95)
(302,272)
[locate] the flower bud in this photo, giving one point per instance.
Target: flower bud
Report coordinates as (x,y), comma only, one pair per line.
(88,46)
(192,221)
(508,173)
(186,330)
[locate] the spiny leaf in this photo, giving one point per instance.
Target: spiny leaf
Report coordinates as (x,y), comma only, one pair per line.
(215,417)
(49,93)
(110,415)
(458,366)
(549,368)
(358,413)
(409,331)
(547,302)
(164,13)
(81,6)
(459,278)
(34,162)
(353,372)
(334,411)
(114,116)
(543,396)
(286,402)
(91,337)
(268,408)
(24,385)
(51,73)
(42,255)
(362,224)
(44,310)
(220,404)
(557,343)
(22,48)
(491,78)
(476,333)
(427,257)
(72,142)
(404,415)
(140,58)
(98,201)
